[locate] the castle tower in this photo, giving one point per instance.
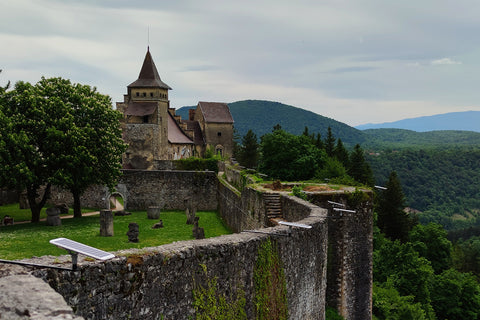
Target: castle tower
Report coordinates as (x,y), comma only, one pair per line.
(145,118)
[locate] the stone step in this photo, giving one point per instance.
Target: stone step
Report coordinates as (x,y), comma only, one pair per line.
(273,205)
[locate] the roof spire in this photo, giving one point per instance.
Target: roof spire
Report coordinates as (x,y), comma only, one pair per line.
(148,39)
(149,76)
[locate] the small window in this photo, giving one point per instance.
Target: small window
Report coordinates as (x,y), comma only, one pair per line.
(219,134)
(151,94)
(144,94)
(145,119)
(138,94)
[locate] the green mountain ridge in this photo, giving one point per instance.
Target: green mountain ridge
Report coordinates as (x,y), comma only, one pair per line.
(438,169)
(406,139)
(261,116)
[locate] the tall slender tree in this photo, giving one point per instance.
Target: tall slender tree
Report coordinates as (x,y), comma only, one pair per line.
(393,221)
(248,153)
(330,143)
(341,153)
(359,169)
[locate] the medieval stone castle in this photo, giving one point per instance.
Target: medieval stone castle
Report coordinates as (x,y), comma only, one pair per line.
(329,263)
(154,132)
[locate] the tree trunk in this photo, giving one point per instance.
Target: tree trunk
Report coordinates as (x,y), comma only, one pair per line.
(77,209)
(35,207)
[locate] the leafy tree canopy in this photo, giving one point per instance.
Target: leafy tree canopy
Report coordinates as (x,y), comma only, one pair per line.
(289,157)
(431,242)
(456,296)
(56,132)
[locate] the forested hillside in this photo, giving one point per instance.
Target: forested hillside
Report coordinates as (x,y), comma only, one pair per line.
(439,170)
(261,116)
(407,139)
(443,183)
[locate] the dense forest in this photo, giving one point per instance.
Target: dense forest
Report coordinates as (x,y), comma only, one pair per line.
(435,175)
(441,183)
(438,170)
(418,272)
(395,139)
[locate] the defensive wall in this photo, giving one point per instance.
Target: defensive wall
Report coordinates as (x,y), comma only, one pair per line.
(140,189)
(329,264)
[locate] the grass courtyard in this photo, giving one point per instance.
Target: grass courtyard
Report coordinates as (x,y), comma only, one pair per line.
(32,239)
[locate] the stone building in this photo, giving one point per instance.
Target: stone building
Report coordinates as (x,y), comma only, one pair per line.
(154,132)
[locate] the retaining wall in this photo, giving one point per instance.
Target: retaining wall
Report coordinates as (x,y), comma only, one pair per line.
(157,283)
(350,247)
(329,264)
(140,189)
(8,196)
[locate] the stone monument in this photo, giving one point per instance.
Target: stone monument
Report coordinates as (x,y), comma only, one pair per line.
(153,212)
(53,217)
(133,232)
(106,223)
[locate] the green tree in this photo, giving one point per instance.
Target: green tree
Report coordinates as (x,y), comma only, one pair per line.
(400,266)
(388,304)
(330,143)
(319,142)
(92,139)
(392,219)
(25,161)
(455,296)
(248,153)
(305,132)
(277,127)
(332,169)
(61,133)
(358,168)
(466,256)
(431,242)
(341,153)
(289,157)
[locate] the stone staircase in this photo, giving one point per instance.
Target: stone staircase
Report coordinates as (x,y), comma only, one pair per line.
(273,205)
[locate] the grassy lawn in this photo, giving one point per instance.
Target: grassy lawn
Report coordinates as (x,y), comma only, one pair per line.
(32,239)
(13,210)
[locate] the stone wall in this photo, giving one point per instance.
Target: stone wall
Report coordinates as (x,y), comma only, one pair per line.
(28,297)
(235,177)
(171,190)
(350,246)
(241,211)
(157,283)
(8,196)
(330,264)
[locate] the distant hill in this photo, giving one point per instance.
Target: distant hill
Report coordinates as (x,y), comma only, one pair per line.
(466,121)
(261,116)
(402,139)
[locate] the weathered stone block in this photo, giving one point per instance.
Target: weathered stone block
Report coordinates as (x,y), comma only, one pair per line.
(106,223)
(53,217)
(153,212)
(133,231)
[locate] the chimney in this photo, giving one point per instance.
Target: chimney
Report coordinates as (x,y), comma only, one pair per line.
(191,114)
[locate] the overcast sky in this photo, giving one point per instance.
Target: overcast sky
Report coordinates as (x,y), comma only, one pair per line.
(356,61)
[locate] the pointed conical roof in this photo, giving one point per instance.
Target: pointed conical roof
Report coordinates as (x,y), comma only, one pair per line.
(149,76)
